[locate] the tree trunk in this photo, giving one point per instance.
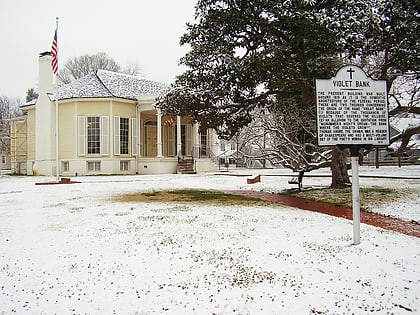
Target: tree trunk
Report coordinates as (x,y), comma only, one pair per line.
(340,177)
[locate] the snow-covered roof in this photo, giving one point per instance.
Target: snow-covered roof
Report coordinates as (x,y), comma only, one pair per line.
(401,123)
(31,102)
(104,83)
(404,123)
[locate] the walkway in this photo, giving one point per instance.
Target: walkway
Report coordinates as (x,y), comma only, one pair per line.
(374,219)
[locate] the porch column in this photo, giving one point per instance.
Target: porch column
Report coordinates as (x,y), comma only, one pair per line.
(139,131)
(211,140)
(159,134)
(178,135)
(196,141)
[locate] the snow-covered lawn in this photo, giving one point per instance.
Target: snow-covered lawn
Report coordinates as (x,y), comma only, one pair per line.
(72,249)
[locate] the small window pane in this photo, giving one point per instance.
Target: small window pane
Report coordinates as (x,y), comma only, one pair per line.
(124,165)
(93,135)
(124,123)
(66,166)
(94,166)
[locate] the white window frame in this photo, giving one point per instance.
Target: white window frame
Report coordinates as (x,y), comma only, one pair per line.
(96,166)
(96,146)
(82,140)
(65,166)
(124,165)
(132,136)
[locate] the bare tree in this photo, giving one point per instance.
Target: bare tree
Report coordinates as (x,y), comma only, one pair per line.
(404,97)
(78,67)
(274,135)
(404,94)
(133,68)
(9,108)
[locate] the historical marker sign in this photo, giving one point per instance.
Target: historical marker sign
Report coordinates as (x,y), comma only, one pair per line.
(352,109)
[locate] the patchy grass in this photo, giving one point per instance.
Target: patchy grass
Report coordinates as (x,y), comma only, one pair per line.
(369,197)
(191,195)
(343,196)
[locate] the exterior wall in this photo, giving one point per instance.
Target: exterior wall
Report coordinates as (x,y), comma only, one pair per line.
(67,130)
(123,109)
(109,166)
(157,166)
(205,165)
(69,112)
(31,134)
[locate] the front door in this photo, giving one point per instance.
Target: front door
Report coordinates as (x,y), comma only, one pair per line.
(151,140)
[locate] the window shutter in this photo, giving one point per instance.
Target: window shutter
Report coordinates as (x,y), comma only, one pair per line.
(105,135)
(134,136)
(117,135)
(81,132)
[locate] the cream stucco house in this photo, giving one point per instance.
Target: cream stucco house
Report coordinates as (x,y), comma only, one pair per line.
(108,124)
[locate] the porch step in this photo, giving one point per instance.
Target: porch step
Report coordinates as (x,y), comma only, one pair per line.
(186,166)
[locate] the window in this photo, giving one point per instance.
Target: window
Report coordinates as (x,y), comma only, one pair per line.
(93,135)
(124,129)
(222,146)
(124,165)
(203,144)
(94,166)
(3,159)
(65,166)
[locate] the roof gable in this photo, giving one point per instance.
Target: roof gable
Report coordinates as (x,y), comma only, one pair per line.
(127,86)
(88,86)
(110,84)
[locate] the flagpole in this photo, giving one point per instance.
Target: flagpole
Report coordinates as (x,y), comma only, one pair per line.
(57,162)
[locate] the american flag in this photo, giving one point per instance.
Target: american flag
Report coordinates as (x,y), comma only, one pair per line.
(54,54)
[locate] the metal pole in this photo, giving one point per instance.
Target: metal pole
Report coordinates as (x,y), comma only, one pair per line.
(57,163)
(57,159)
(356,199)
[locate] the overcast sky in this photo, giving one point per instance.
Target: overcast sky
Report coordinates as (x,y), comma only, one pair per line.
(143,31)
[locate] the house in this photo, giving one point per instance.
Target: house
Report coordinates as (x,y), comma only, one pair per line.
(108,124)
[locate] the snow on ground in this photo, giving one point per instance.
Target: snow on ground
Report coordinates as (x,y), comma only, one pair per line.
(71,249)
